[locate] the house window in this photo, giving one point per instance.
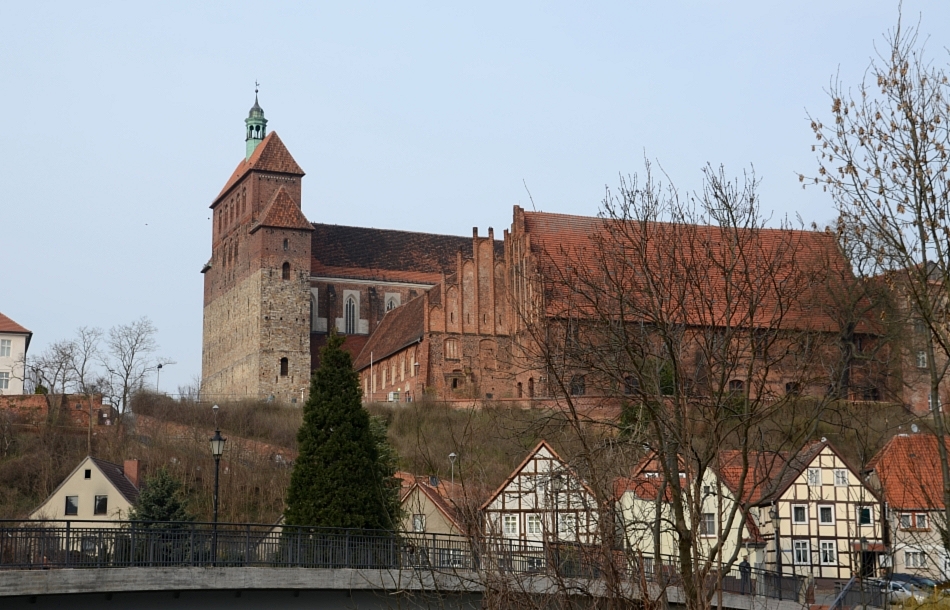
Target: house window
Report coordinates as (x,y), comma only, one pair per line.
(5,347)
(4,381)
(630,385)
(865,515)
(102,505)
(841,477)
(829,552)
(567,525)
(418,523)
(707,524)
(826,515)
(814,477)
(921,359)
(87,474)
(534,523)
(906,521)
(283,367)
(736,386)
(799,513)
(451,349)
(72,505)
(285,271)
(349,316)
(920,521)
(801,553)
(915,559)
(578,385)
(793,388)
(531,387)
(510,524)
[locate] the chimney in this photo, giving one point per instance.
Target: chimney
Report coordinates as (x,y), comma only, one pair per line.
(131,471)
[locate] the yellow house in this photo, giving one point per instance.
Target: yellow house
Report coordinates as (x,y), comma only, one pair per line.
(427,511)
(96,490)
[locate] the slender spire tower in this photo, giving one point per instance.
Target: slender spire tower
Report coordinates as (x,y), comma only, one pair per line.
(256,125)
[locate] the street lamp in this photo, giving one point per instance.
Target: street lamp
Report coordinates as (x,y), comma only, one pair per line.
(158,375)
(773,514)
(452,458)
(557,484)
(217,449)
(864,554)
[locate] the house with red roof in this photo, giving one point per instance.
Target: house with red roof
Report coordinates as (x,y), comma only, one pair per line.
(14,343)
(908,474)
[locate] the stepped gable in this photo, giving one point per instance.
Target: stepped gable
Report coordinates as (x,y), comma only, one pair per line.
(399,328)
(797,270)
(385,254)
(270,156)
(282,212)
(9,326)
(116,475)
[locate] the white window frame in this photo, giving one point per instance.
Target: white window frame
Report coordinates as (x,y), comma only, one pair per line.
(533,521)
(905,521)
(915,558)
(841,477)
(509,524)
(825,547)
(829,507)
(6,347)
(801,552)
(4,380)
(803,521)
(707,525)
(418,522)
(814,477)
(918,517)
(567,525)
(857,516)
(921,359)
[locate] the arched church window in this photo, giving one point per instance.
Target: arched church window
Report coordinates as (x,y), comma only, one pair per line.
(451,349)
(349,316)
(390,304)
(284,365)
(285,271)
(531,387)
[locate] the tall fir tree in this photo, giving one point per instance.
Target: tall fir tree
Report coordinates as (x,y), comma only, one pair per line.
(339,478)
(162,499)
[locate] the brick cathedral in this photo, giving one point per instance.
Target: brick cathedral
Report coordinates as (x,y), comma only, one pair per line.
(439,316)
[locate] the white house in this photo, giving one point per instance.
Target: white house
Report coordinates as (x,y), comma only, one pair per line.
(96,490)
(14,343)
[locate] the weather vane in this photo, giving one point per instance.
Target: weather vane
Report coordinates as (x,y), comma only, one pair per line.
(257,86)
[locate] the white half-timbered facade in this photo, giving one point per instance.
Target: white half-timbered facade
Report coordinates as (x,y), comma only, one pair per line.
(543,500)
(821,519)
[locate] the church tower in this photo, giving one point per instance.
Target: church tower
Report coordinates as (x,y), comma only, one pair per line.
(256,335)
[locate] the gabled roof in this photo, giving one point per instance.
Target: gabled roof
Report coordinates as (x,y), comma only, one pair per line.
(270,156)
(785,273)
(116,476)
(763,472)
(440,502)
(399,328)
(908,468)
(283,213)
(9,326)
(543,444)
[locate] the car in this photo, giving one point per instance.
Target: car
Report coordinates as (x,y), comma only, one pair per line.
(898,592)
(921,582)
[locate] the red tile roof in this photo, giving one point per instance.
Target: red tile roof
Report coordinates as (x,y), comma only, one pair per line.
(116,476)
(342,251)
(785,273)
(9,326)
(284,213)
(270,156)
(908,467)
(399,328)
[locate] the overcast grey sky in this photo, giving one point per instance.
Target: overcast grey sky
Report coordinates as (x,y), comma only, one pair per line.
(122,121)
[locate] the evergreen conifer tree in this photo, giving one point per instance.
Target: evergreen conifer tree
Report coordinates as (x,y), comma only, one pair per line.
(161,499)
(338,479)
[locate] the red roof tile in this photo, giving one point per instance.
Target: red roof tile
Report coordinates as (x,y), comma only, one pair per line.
(785,273)
(908,467)
(270,156)
(399,328)
(284,213)
(9,326)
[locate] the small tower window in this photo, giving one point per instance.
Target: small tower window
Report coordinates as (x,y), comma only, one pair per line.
(349,316)
(286,245)
(283,367)
(285,271)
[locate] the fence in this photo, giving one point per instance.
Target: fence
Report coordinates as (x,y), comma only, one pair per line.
(90,544)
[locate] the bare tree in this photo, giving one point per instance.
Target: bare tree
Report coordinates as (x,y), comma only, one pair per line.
(128,357)
(883,156)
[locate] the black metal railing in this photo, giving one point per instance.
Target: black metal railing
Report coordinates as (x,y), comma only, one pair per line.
(93,544)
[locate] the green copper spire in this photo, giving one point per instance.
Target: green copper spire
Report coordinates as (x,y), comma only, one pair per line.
(256,125)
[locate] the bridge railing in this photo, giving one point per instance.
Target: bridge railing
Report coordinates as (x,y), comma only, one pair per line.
(96,544)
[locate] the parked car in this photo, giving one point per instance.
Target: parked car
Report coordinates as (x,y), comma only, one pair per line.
(921,582)
(899,592)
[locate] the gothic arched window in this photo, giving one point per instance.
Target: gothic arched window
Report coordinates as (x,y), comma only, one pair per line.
(390,304)
(283,367)
(349,316)
(285,271)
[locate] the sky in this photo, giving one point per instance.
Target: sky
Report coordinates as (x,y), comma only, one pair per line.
(122,121)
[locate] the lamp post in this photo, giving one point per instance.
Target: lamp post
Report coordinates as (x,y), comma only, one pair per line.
(217,448)
(557,484)
(452,458)
(158,375)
